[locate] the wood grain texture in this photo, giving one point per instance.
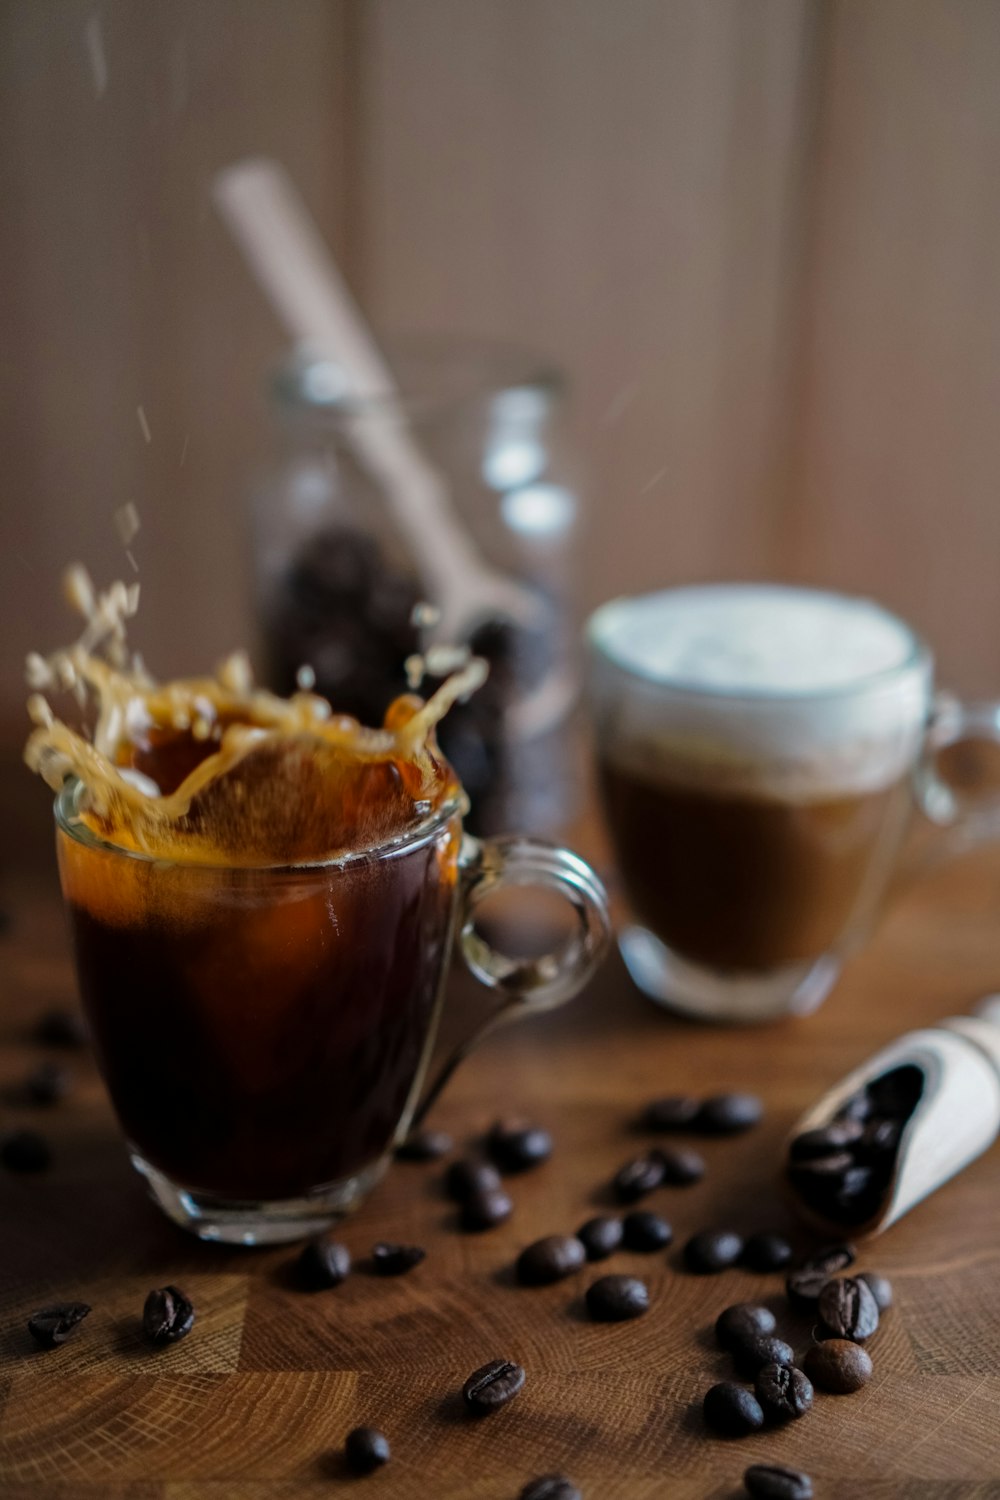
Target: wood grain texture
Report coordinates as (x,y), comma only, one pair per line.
(257,1400)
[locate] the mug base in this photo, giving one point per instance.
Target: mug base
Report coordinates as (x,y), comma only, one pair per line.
(707,995)
(230,1221)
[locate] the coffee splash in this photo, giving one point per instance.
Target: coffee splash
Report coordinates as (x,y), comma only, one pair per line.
(216,770)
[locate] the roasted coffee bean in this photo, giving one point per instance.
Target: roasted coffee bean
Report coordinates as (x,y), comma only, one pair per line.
(600,1237)
(783,1392)
(753,1354)
(366,1449)
(52,1326)
(727,1114)
(493,1385)
(485,1210)
(645,1231)
(766,1252)
(897,1092)
(848,1309)
(550,1259)
(775,1482)
(839,1366)
(712,1250)
(641,1175)
(676,1112)
(323,1263)
(550,1487)
(819,1172)
(732,1410)
(681,1166)
(857,1107)
(167,1315)
(880,1288)
(25,1151)
(879,1138)
(62,1028)
(463,1178)
(828,1139)
(804,1285)
(743,1323)
(614,1299)
(516,1145)
(395,1260)
(423,1145)
(48,1084)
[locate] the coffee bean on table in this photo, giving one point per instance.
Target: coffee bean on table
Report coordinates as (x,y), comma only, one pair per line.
(743,1323)
(550,1259)
(485,1210)
(167,1316)
(395,1260)
(550,1487)
(641,1175)
(732,1410)
(804,1285)
(676,1112)
(826,1140)
(646,1231)
(493,1385)
(48,1084)
(753,1354)
(516,1145)
(322,1263)
(712,1250)
(463,1178)
(62,1028)
(366,1449)
(681,1166)
(614,1299)
(880,1288)
(600,1237)
(728,1114)
(424,1145)
(848,1309)
(25,1151)
(766,1252)
(783,1392)
(52,1326)
(838,1366)
(775,1482)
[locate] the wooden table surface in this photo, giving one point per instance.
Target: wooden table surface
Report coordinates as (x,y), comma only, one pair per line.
(257,1400)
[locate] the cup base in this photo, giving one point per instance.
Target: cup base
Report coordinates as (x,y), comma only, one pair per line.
(230,1221)
(707,995)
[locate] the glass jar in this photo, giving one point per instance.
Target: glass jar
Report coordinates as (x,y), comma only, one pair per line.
(342,602)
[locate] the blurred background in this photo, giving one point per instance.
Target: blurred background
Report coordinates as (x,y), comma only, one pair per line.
(761,238)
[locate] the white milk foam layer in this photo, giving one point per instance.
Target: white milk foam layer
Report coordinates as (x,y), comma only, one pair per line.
(785,692)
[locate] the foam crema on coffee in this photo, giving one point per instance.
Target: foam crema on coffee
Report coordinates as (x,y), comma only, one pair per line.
(761,690)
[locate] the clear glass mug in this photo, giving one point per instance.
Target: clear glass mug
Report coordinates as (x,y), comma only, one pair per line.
(264,1033)
(757,833)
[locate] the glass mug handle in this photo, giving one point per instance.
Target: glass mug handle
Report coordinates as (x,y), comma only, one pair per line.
(525,986)
(970,819)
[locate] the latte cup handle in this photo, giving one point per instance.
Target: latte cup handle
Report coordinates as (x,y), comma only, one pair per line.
(525,987)
(968,818)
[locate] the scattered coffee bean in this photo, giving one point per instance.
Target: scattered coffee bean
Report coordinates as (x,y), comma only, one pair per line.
(48,1084)
(839,1366)
(600,1237)
(825,1141)
(366,1449)
(395,1260)
(52,1326)
(550,1487)
(677,1112)
(783,1392)
(732,1410)
(25,1151)
(727,1114)
(550,1259)
(323,1263)
(167,1315)
(62,1028)
(463,1178)
(804,1285)
(493,1385)
(743,1323)
(641,1175)
(486,1210)
(848,1309)
(681,1166)
(712,1250)
(775,1482)
(516,1145)
(646,1231)
(614,1299)
(766,1252)
(753,1354)
(422,1145)
(880,1288)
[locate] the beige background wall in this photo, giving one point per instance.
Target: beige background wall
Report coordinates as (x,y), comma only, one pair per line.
(762,236)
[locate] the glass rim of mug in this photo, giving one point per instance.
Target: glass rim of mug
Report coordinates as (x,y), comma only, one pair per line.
(918,657)
(68,822)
